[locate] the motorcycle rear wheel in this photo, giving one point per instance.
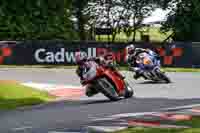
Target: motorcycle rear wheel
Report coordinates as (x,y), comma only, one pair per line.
(128,91)
(165,78)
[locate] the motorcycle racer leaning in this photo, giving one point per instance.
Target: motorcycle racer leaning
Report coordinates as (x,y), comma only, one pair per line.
(135,54)
(85,63)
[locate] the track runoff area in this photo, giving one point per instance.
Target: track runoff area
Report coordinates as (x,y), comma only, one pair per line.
(75,112)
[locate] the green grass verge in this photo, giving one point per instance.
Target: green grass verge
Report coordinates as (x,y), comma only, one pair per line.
(181,69)
(194,124)
(167,69)
(13,95)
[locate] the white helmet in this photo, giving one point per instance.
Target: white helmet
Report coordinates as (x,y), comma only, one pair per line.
(130,49)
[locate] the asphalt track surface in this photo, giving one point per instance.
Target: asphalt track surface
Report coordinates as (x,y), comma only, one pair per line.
(65,116)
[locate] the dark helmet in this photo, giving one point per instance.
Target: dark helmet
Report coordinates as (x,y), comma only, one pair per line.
(80,57)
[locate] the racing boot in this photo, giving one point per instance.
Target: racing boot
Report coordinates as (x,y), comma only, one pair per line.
(137,75)
(90,91)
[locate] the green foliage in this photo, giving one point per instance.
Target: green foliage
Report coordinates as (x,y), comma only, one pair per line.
(154,35)
(184,20)
(77,11)
(120,15)
(137,10)
(37,19)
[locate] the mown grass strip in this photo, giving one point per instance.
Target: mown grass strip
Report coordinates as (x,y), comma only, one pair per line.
(13,95)
(194,124)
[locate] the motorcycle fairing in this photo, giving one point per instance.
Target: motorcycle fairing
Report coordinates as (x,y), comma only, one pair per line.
(119,83)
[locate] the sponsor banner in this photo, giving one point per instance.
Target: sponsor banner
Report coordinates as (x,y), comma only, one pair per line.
(63,53)
(67,56)
(47,52)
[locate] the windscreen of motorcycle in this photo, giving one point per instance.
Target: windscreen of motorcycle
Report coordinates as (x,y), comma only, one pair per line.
(145,59)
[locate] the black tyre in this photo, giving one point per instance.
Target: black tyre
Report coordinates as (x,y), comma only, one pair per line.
(108,89)
(128,91)
(163,76)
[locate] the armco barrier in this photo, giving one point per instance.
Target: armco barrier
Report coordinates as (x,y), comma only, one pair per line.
(63,52)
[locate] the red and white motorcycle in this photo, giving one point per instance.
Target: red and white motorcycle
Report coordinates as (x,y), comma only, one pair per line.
(106,81)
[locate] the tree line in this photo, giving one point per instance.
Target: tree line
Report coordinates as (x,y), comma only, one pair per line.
(35,19)
(77,19)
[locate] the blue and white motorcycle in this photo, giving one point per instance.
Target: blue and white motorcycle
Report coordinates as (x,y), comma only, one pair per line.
(149,68)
